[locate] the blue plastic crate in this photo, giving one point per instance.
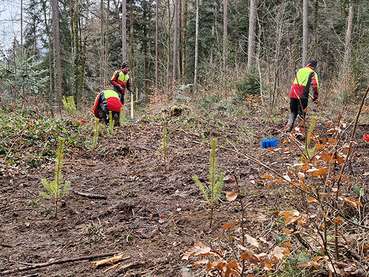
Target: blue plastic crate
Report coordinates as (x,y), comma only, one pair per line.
(269,142)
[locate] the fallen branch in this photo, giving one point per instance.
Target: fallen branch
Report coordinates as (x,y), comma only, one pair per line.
(124,268)
(110,261)
(61,261)
(89,195)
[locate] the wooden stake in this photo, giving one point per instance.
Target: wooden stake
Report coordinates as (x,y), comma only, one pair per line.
(131,105)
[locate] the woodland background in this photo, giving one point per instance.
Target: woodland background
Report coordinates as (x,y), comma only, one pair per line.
(73,47)
(184,188)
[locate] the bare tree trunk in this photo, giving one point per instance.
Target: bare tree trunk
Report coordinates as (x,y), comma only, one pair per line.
(124,31)
(76,50)
(50,56)
(179,52)
(106,41)
(225,32)
(196,45)
(175,40)
(131,59)
(102,44)
(252,32)
(347,56)
(168,43)
(58,74)
(145,42)
(157,44)
(22,48)
(184,37)
(316,34)
(304,31)
(279,31)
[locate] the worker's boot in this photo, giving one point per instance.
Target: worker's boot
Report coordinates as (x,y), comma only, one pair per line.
(290,123)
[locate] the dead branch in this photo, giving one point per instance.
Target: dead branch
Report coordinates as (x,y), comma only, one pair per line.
(124,268)
(89,195)
(351,140)
(110,261)
(61,261)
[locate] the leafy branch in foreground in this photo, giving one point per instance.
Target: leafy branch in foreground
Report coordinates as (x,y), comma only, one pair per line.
(213,190)
(57,188)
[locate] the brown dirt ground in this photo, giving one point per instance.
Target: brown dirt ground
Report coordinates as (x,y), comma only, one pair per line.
(153,212)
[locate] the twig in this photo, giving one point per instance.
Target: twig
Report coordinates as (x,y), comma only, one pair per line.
(351,141)
(89,195)
(255,160)
(61,261)
(346,162)
(128,266)
(6,245)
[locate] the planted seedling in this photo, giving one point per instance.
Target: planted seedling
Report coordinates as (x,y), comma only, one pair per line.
(213,190)
(56,189)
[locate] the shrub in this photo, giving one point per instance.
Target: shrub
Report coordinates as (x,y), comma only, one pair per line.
(250,85)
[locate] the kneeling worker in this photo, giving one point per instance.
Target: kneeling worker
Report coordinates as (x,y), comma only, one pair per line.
(107,101)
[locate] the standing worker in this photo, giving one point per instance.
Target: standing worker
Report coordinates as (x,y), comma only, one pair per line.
(299,93)
(120,81)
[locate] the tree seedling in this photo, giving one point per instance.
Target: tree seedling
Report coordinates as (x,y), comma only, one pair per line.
(213,190)
(164,147)
(122,117)
(309,150)
(56,189)
(95,137)
(111,123)
(69,104)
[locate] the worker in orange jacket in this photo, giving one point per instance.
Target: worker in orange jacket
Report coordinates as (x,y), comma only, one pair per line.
(107,101)
(305,78)
(121,81)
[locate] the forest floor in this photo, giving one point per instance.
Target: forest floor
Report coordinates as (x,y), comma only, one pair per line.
(152,211)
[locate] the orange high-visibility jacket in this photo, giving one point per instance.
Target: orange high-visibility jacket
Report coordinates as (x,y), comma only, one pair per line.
(305,77)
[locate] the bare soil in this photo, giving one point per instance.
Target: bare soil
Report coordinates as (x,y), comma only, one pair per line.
(153,212)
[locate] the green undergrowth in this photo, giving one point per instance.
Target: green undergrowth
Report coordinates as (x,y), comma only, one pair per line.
(31,138)
(291,266)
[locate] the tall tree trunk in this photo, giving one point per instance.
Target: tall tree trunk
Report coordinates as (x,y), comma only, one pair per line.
(50,94)
(252,32)
(145,42)
(196,45)
(131,59)
(168,43)
(305,31)
(124,31)
(184,37)
(76,50)
(179,52)
(316,31)
(348,38)
(57,59)
(22,48)
(21,22)
(82,58)
(102,45)
(157,44)
(175,41)
(225,32)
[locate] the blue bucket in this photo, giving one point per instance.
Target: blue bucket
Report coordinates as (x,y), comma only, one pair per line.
(269,142)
